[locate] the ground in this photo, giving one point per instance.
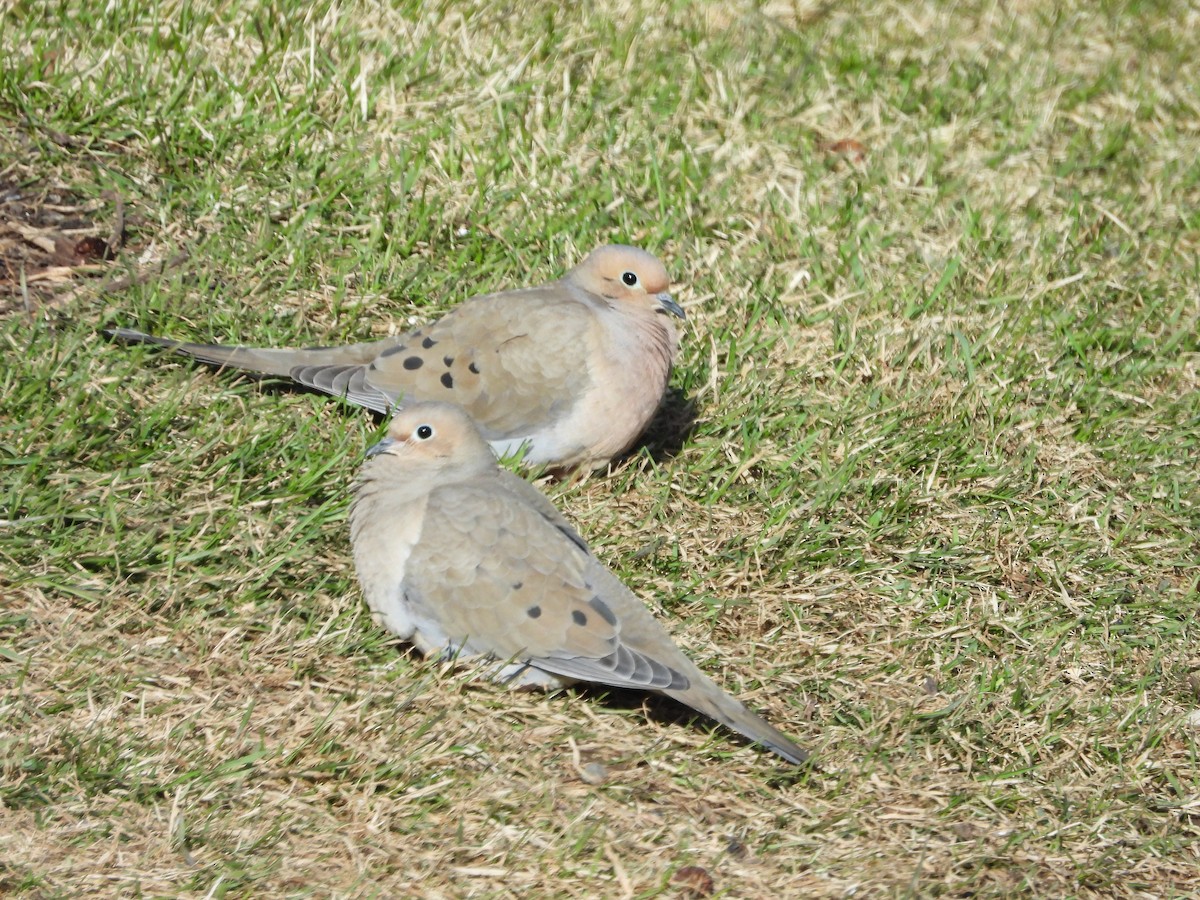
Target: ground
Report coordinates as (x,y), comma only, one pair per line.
(925,491)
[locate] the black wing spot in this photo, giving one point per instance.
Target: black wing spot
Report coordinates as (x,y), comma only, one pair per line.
(413,362)
(428,342)
(534,612)
(579,617)
(447,380)
(473,368)
(448,360)
(517,585)
(602,608)
(392,351)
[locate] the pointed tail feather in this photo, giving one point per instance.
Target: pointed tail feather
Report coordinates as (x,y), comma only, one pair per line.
(716,704)
(257,359)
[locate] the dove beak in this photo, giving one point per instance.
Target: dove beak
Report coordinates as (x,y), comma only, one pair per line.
(381,447)
(667,302)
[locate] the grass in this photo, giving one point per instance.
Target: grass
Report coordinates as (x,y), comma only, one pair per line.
(937,515)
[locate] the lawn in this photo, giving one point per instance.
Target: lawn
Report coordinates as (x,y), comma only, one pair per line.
(925,491)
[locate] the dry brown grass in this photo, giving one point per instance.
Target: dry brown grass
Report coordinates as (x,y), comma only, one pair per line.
(936,516)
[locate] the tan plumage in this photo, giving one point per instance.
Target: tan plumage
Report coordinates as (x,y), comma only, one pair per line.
(456,554)
(575,369)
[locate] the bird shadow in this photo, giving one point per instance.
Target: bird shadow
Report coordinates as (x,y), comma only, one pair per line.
(666,711)
(670,429)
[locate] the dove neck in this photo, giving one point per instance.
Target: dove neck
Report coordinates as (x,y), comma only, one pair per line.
(391,478)
(382,486)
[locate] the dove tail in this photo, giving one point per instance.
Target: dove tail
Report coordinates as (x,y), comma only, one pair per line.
(254,359)
(718,705)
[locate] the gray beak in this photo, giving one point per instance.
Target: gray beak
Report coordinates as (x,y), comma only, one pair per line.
(382,446)
(667,302)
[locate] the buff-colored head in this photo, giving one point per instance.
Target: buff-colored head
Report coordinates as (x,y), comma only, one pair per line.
(437,434)
(627,274)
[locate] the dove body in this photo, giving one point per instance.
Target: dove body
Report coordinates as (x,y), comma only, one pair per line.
(573,370)
(456,554)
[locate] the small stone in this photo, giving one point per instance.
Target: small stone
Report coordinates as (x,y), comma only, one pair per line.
(593,773)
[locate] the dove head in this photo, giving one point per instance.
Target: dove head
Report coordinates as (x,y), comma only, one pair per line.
(434,435)
(626,274)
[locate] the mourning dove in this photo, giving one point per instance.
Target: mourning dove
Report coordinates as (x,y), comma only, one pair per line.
(574,370)
(459,556)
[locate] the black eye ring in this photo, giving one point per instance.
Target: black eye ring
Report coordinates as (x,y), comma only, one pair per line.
(423,432)
(630,278)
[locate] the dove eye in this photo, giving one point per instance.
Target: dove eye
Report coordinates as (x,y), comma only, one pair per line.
(423,432)
(630,278)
